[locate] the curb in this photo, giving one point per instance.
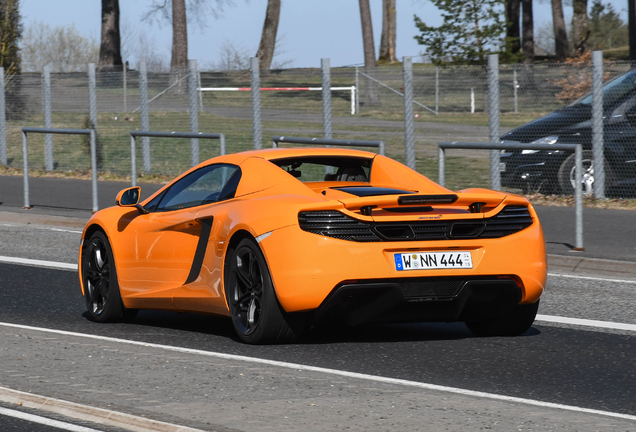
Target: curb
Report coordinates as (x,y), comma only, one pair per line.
(570,264)
(24,218)
(91,414)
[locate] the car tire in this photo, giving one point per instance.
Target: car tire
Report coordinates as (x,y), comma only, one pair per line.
(257,316)
(101,287)
(513,323)
(566,174)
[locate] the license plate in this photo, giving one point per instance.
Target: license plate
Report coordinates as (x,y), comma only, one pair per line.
(433,260)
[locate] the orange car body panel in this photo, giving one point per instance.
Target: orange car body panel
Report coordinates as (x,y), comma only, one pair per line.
(154,252)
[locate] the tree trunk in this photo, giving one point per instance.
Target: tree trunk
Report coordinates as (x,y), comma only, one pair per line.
(265,52)
(561,47)
(110,46)
(371,94)
(179,62)
(527,25)
(387,42)
(512,25)
(580,32)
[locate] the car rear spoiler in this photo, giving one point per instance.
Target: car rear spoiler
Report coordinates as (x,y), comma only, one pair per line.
(474,202)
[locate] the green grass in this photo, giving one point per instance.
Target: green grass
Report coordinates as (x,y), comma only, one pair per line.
(171,156)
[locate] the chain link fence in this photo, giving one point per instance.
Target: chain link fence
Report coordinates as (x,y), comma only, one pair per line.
(538,103)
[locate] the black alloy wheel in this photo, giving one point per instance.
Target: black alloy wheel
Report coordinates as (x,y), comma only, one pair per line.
(101,289)
(567,174)
(256,314)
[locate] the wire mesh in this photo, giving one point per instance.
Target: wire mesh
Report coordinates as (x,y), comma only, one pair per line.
(538,102)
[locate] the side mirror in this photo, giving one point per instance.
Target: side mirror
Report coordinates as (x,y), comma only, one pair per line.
(128,197)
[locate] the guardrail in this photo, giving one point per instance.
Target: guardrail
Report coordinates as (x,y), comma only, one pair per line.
(330,142)
(25,157)
(513,145)
(155,134)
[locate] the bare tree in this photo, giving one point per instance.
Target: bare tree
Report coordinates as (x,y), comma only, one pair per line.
(64,47)
(266,48)
(580,32)
(513,32)
(561,48)
(179,61)
(367,34)
(10,34)
(232,57)
(177,15)
(387,41)
(371,96)
(527,25)
(110,46)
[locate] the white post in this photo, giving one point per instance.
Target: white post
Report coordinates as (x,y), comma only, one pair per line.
(353,100)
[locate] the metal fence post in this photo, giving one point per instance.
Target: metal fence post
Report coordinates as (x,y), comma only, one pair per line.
(326,98)
(357,92)
(3,122)
(578,198)
(493,119)
(514,86)
(125,88)
(133,161)
(94,164)
(409,122)
(194,110)
(222,145)
(199,90)
(25,169)
(145,122)
(48,122)
(436,89)
(441,166)
(597,124)
(92,96)
(257,138)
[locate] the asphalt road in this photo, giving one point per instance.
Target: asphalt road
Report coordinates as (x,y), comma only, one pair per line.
(607,234)
(563,365)
(19,419)
(566,364)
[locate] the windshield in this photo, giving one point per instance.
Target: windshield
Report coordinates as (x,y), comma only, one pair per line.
(326,168)
(615,91)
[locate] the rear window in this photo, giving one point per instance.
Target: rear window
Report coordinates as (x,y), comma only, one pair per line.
(326,168)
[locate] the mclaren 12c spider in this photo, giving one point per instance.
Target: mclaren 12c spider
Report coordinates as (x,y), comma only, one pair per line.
(280,239)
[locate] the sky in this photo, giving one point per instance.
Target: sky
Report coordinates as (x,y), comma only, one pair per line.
(309,29)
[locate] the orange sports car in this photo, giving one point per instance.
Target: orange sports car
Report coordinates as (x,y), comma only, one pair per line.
(282,238)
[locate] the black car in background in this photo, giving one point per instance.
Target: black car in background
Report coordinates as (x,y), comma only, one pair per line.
(553,171)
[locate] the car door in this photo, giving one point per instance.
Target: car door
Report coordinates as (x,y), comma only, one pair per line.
(162,245)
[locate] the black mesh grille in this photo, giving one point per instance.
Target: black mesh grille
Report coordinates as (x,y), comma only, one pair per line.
(336,224)
(510,220)
(332,223)
(430,287)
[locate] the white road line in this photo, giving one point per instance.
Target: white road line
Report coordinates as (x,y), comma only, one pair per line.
(63,230)
(586,322)
(88,413)
(354,375)
(592,278)
(44,421)
(44,228)
(38,263)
